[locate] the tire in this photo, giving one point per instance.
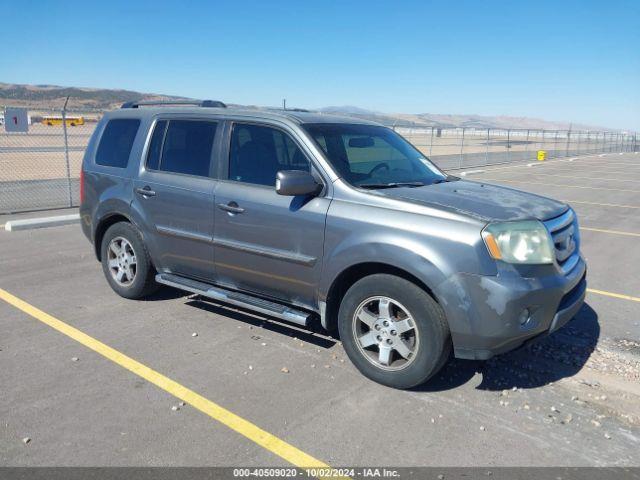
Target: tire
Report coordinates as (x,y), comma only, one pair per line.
(416,326)
(138,279)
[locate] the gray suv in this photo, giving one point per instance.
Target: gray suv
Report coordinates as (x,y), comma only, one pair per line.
(301,215)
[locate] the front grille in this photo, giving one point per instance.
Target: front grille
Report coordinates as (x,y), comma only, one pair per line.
(566,239)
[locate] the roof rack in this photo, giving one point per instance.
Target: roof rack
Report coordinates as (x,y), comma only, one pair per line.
(198,103)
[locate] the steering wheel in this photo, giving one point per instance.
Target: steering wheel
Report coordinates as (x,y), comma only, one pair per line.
(378,167)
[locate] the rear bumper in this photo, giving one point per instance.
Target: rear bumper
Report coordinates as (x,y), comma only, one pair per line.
(484,313)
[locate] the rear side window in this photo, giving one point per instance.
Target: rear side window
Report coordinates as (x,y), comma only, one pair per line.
(182,146)
(116,142)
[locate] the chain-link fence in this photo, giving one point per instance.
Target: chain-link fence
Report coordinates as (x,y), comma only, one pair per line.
(457,148)
(40,169)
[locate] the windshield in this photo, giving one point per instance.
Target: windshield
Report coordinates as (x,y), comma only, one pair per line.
(370,156)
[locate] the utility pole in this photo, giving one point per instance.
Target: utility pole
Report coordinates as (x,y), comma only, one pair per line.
(284,103)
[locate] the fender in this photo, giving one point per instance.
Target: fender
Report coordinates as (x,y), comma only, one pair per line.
(110,208)
(416,260)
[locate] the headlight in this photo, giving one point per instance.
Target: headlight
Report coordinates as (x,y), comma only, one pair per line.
(519,242)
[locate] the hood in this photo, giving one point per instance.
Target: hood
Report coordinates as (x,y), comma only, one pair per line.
(480,200)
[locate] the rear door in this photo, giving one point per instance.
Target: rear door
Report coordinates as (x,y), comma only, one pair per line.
(174,193)
(267,243)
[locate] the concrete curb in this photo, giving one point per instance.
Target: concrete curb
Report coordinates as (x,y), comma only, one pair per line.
(42,222)
(470,172)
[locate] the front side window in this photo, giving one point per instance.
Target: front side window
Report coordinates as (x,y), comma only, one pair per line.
(258,153)
(116,142)
(373,156)
(182,146)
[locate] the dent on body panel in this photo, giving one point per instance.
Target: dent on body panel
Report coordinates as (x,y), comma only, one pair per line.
(494,296)
(494,300)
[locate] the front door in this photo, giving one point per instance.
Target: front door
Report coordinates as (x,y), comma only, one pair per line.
(174,194)
(267,243)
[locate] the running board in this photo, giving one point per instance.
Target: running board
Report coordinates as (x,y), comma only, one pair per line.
(235,298)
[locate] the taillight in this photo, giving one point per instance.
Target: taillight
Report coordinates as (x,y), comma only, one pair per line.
(81,186)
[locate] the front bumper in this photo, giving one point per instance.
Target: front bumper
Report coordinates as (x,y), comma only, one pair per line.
(484,312)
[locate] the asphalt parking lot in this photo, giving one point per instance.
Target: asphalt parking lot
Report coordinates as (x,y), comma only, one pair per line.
(572,399)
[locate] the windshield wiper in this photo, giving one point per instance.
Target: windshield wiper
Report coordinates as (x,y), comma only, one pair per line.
(449,178)
(391,185)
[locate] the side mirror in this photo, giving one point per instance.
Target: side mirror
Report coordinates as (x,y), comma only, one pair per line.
(296,182)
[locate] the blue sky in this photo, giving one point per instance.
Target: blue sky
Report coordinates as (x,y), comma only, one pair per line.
(573,61)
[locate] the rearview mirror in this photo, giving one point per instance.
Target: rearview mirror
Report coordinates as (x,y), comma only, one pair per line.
(296,182)
(361,142)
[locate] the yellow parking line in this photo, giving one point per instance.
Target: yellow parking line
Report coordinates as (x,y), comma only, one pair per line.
(616,232)
(602,204)
(614,295)
(557,185)
(254,433)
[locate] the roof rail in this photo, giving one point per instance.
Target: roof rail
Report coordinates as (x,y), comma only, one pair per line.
(198,103)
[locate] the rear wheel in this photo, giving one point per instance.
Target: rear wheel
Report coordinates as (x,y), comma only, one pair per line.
(393,331)
(126,262)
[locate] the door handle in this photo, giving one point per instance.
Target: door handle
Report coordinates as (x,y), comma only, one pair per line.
(231,207)
(146,191)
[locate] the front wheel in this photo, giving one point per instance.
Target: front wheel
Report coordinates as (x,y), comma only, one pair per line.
(393,331)
(126,262)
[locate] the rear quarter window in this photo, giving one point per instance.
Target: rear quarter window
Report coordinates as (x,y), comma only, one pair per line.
(116,142)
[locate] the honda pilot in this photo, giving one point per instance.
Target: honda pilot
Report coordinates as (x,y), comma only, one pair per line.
(301,216)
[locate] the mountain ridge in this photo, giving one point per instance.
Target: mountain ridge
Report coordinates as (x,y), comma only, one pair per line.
(47,97)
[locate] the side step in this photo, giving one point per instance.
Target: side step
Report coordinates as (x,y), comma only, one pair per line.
(235,298)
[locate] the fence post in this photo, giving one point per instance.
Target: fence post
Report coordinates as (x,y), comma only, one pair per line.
(486,151)
(66,150)
(461,146)
(431,143)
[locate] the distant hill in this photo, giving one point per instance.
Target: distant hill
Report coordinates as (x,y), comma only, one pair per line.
(47,97)
(448,120)
(88,99)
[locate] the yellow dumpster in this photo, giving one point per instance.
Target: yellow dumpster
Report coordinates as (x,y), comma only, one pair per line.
(542,155)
